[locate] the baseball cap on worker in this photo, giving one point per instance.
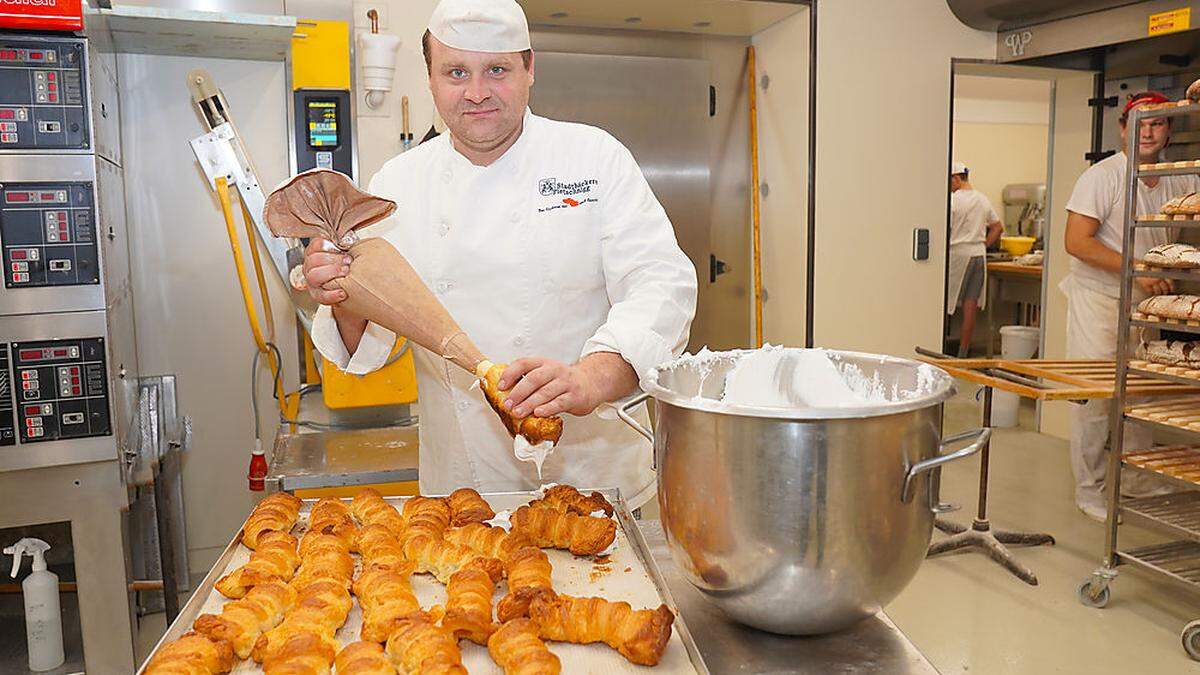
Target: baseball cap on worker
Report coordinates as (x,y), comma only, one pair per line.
(480,25)
(957,168)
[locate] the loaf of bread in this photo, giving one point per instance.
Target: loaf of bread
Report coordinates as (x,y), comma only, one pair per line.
(277,513)
(1176,256)
(1183,353)
(1179,307)
(548,528)
(1183,205)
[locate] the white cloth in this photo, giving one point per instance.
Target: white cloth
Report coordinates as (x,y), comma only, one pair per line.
(1100,193)
(1092,334)
(970,215)
(480,25)
(558,249)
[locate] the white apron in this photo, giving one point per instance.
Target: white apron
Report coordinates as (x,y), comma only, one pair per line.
(957,272)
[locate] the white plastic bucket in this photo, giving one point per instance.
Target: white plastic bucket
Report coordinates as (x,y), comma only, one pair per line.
(1016,342)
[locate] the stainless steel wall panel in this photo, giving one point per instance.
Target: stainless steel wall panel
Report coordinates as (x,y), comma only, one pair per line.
(105,104)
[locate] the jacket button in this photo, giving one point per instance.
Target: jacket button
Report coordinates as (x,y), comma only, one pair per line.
(463,405)
(443,228)
(519,340)
(447,176)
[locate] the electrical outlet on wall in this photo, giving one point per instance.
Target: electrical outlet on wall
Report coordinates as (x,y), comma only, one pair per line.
(360,14)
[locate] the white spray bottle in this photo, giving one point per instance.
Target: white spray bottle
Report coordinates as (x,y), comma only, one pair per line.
(43,620)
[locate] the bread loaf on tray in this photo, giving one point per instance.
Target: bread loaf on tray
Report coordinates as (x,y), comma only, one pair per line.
(1183,205)
(1179,307)
(1175,256)
(1184,353)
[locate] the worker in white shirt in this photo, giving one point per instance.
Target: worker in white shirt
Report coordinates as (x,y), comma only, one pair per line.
(546,244)
(974,226)
(1095,240)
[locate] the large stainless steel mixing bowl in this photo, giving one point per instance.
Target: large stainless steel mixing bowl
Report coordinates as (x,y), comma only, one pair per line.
(798,521)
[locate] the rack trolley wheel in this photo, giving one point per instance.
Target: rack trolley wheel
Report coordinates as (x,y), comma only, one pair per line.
(1101,599)
(1191,639)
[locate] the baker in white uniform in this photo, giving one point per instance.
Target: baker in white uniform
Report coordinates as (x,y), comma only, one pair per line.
(974,226)
(1094,238)
(545,242)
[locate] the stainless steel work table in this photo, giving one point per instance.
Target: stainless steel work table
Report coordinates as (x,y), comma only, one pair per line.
(875,645)
(341,458)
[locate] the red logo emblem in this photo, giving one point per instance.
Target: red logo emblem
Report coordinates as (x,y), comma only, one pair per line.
(570,202)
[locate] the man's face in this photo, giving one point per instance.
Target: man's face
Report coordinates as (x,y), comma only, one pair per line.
(955,182)
(481,96)
(1152,137)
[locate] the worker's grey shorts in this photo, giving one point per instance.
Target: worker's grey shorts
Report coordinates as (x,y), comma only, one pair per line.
(972,283)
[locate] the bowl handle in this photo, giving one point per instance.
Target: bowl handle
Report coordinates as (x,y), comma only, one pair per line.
(981,436)
(623,413)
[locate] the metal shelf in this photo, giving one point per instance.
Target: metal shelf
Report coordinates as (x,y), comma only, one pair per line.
(1177,414)
(1177,561)
(1160,372)
(1176,514)
(1165,169)
(1177,273)
(1147,321)
(1181,483)
(171,31)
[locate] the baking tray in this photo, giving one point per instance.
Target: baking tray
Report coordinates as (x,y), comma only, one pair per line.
(630,575)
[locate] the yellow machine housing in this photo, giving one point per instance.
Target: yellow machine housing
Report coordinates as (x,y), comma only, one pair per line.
(321,62)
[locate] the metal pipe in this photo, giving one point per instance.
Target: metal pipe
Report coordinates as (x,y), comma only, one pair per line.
(811,242)
(755,195)
(984,459)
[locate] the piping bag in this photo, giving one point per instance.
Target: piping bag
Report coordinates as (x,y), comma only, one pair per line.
(384,288)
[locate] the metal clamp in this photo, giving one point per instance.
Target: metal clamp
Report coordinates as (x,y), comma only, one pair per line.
(982,436)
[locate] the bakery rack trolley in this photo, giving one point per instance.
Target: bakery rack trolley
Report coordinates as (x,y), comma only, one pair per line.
(1174,515)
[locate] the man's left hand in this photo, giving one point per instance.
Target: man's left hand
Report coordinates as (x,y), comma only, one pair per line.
(545,387)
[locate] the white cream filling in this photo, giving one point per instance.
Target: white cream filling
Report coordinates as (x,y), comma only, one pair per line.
(540,493)
(502,520)
(528,452)
(598,513)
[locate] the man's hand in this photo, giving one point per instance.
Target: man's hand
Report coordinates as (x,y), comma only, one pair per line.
(321,267)
(1155,286)
(545,387)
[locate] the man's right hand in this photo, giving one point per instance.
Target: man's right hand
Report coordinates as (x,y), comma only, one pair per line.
(1154,286)
(321,267)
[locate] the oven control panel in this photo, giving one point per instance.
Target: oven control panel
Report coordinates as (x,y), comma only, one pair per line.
(42,96)
(48,233)
(60,389)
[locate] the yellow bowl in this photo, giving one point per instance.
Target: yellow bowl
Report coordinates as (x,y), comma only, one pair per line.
(1017,246)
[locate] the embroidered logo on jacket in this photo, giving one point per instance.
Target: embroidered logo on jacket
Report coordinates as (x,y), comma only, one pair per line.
(574,193)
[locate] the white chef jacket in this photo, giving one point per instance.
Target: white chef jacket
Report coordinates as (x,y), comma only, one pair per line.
(970,215)
(557,249)
(1100,193)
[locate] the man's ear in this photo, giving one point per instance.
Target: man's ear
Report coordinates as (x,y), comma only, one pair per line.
(532,63)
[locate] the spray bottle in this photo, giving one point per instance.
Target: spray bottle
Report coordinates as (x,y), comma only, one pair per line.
(43,620)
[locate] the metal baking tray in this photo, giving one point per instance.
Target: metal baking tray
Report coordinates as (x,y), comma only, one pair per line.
(630,575)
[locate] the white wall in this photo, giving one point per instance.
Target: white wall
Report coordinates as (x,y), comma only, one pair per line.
(190,317)
(883,111)
(782,54)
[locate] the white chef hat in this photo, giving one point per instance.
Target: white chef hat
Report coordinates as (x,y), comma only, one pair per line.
(480,25)
(957,168)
